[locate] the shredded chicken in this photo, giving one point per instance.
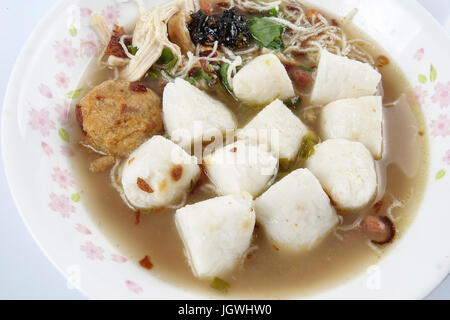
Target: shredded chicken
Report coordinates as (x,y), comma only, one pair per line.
(102,28)
(117,62)
(150,37)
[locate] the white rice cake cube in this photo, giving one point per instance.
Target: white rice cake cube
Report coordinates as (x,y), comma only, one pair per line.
(263,80)
(359,119)
(295,212)
(216,233)
(192,116)
(278,128)
(158,174)
(340,78)
(346,171)
(241,167)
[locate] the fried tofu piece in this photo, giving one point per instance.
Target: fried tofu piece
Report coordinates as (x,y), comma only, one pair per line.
(116,117)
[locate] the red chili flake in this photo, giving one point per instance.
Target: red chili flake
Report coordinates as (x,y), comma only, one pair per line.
(146,263)
(100,98)
(233,149)
(334,23)
(193,72)
(137,219)
(176,172)
(310,14)
(114,48)
(224,5)
(292,8)
(206,6)
(137,87)
(144,185)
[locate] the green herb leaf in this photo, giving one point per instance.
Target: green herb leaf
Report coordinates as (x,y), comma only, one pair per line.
(422,78)
(267,33)
(166,57)
(133,50)
(201,75)
(307,146)
(224,78)
(75,197)
(64,134)
(433,74)
(306,69)
(74,93)
(172,64)
(273,12)
(153,74)
(293,103)
(284,164)
(73,31)
(441,174)
(192,184)
(220,285)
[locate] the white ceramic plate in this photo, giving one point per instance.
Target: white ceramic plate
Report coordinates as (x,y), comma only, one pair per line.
(37,148)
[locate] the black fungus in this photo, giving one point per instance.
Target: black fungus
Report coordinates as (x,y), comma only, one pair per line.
(229,29)
(234,30)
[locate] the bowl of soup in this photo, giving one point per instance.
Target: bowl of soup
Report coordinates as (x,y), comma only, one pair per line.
(242,149)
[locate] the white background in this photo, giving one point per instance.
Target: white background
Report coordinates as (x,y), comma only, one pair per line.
(25,273)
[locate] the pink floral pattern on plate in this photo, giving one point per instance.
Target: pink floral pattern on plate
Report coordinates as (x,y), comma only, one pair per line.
(63,178)
(440,127)
(66,151)
(442,94)
(447,158)
(421,94)
(45,91)
(40,121)
(90,46)
(65,53)
(419,54)
(61,204)
(133,286)
(85,12)
(118,258)
(92,251)
(82,229)
(46,148)
(63,112)
(62,80)
(111,15)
